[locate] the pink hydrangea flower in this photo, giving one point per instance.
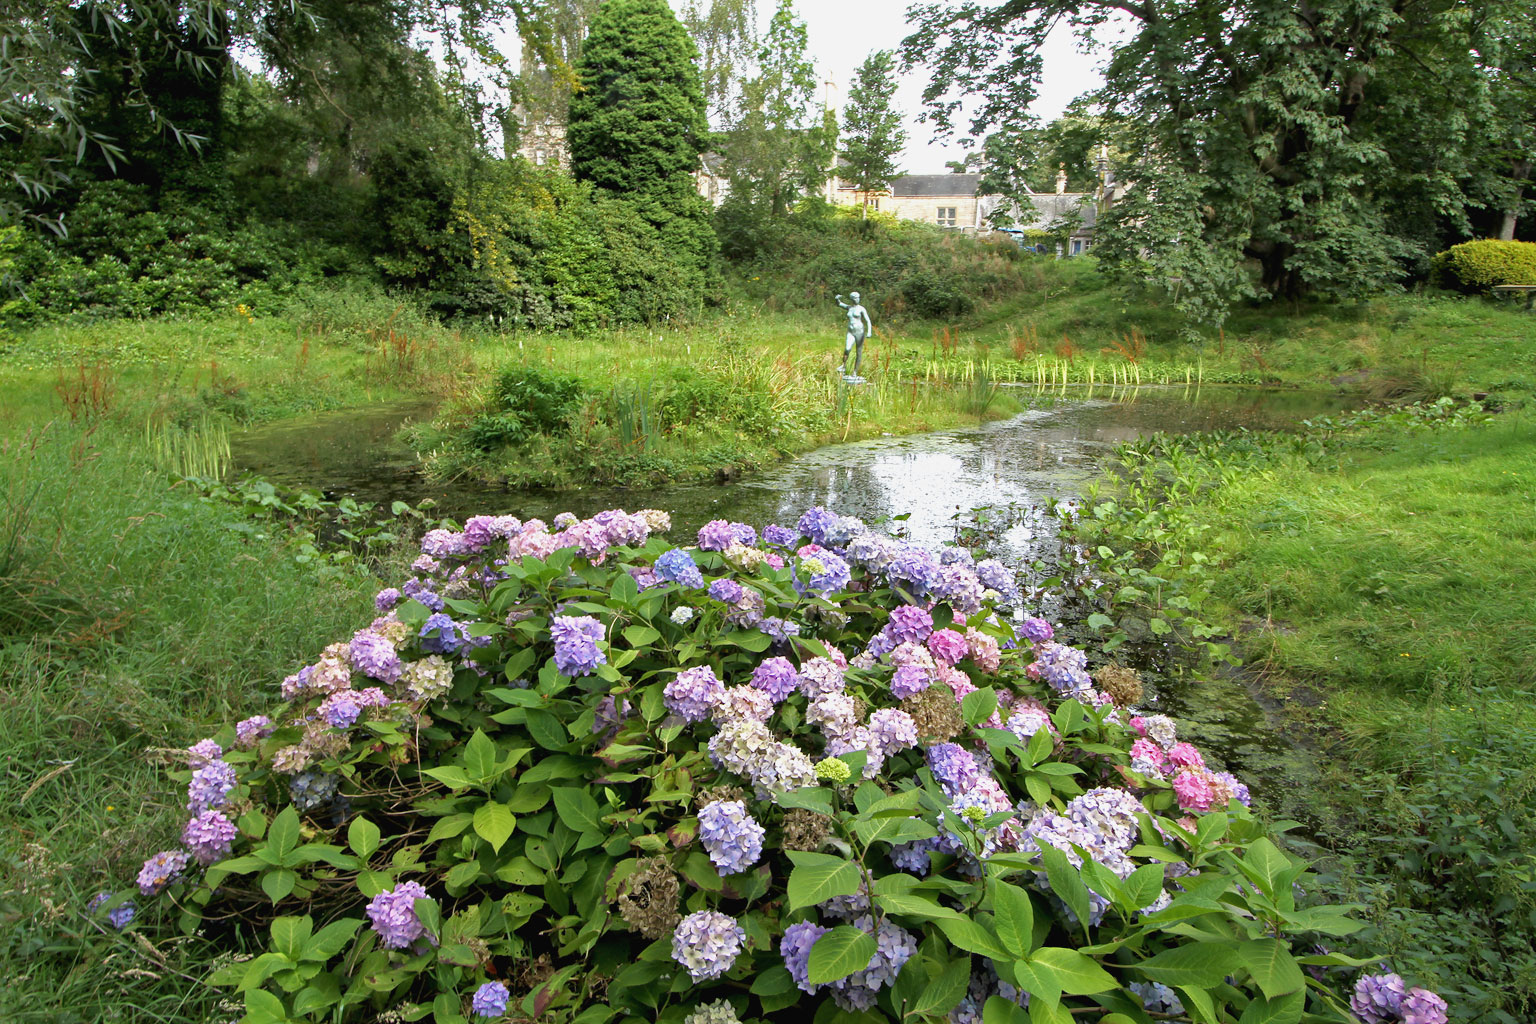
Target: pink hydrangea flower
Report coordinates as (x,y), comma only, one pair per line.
(1193,790)
(947,646)
(983,650)
(1185,755)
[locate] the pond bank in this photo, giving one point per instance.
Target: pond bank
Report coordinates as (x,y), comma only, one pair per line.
(1379,571)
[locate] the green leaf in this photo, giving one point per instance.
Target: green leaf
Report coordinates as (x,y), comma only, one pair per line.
(283,836)
(944,992)
(977,706)
(494,823)
(546,730)
(1098,620)
(809,798)
(820,876)
(363,837)
(450,826)
(1001,1011)
(625,590)
(462,875)
(480,757)
(776,980)
(450,775)
(972,937)
(1196,965)
(1066,883)
(640,636)
(912,905)
(1283,1010)
(1272,966)
(262,1007)
(331,939)
(289,934)
(1267,864)
(278,883)
(577,809)
(839,953)
(1073,972)
(1014,918)
(1143,885)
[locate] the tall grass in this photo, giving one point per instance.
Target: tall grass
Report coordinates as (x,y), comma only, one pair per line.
(162,614)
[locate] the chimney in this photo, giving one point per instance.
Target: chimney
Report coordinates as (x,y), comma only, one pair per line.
(1061,179)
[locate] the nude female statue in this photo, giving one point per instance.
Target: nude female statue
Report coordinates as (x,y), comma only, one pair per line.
(859,328)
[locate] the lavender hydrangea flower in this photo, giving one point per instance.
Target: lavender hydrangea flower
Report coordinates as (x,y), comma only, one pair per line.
(161,870)
(719,534)
(248,731)
(953,766)
(733,840)
(725,590)
(1157,997)
(202,752)
(1036,630)
(779,536)
(1064,668)
(1111,813)
(341,709)
(821,573)
(916,567)
(871,550)
(820,676)
(1420,1006)
(958,585)
(795,948)
(718,1012)
(210,786)
(442,543)
(209,837)
(312,789)
(779,629)
(776,677)
(693,693)
(842,530)
(677,566)
(707,943)
(909,681)
(748,609)
(386,599)
(119,916)
(422,592)
(891,731)
(490,1000)
(1378,998)
(393,914)
(814,523)
(576,637)
(441,635)
(909,623)
(373,655)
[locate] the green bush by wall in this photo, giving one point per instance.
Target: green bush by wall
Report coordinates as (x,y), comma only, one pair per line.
(1479,266)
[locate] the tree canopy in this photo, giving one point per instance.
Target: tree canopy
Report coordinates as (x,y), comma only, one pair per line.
(872,131)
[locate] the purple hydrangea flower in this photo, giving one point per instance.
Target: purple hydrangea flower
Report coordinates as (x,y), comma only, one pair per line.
(677,566)
(726,590)
(718,534)
(576,637)
(341,709)
(202,752)
(871,550)
(909,681)
(441,543)
(1064,668)
(821,573)
(248,731)
(209,836)
(842,530)
(161,870)
(1111,813)
(707,943)
(909,623)
(373,655)
(776,677)
(1037,630)
(953,766)
(819,676)
(210,786)
(1420,1006)
(119,916)
(916,567)
(490,1000)
(693,693)
(1378,998)
(779,536)
(732,838)
(795,948)
(814,523)
(422,592)
(393,913)
(779,629)
(386,599)
(441,635)
(891,731)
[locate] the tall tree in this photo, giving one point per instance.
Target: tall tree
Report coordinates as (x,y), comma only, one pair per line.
(780,146)
(872,131)
(1298,123)
(725,31)
(637,127)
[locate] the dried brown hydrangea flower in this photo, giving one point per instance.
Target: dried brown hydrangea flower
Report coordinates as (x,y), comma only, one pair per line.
(710,794)
(1122,684)
(648,899)
(805,830)
(936,713)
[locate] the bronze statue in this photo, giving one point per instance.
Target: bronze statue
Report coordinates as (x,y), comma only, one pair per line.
(859,328)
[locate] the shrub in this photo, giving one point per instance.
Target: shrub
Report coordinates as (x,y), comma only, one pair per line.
(526,400)
(1478,266)
(574,771)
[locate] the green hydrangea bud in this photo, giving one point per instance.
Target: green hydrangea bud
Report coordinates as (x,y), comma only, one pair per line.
(974,815)
(830,769)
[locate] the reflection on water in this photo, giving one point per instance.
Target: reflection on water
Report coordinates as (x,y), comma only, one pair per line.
(1048,452)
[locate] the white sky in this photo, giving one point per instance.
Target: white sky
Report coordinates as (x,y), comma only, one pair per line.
(841,33)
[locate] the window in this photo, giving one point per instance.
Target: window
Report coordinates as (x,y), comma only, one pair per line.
(1077,246)
(947,218)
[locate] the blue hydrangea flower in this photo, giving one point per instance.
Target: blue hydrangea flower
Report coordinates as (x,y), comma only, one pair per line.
(776,677)
(576,637)
(821,573)
(441,635)
(707,943)
(693,693)
(677,566)
(726,590)
(733,840)
(779,536)
(814,523)
(490,1000)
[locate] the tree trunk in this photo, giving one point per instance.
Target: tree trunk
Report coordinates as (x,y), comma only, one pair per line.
(1512,215)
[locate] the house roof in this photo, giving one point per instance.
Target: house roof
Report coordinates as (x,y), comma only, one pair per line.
(1051,206)
(935,185)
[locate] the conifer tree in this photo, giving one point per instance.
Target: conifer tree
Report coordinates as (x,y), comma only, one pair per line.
(638,127)
(874,135)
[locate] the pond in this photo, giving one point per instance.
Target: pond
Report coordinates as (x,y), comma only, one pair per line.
(1014,468)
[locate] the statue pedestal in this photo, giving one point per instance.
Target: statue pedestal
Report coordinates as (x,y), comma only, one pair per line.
(849,378)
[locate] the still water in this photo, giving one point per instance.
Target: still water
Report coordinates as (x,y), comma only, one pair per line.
(1049,452)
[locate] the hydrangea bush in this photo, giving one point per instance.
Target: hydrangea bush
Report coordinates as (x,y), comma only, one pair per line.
(578,772)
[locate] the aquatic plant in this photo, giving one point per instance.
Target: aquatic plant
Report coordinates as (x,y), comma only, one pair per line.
(816,771)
